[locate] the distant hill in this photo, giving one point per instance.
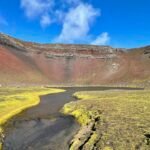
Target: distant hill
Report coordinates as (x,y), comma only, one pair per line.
(59,64)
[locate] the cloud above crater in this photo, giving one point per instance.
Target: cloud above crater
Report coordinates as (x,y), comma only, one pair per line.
(74,17)
(102,39)
(38,9)
(77,23)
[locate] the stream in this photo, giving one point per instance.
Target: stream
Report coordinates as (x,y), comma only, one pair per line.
(43,127)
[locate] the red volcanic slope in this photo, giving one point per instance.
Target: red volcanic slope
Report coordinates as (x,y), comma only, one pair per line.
(58,64)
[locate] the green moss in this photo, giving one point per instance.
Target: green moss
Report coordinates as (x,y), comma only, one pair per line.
(81,113)
(123,117)
(15,100)
(107,148)
(89,145)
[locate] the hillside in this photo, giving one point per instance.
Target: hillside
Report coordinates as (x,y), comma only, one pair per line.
(58,64)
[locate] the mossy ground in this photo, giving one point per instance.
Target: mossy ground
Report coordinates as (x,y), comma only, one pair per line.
(15,100)
(112,120)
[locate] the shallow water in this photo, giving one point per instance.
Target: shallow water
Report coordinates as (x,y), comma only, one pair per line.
(43,127)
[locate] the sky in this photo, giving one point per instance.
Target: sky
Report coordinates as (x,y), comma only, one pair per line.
(118,23)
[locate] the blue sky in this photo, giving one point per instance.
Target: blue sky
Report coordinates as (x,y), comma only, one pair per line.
(119,23)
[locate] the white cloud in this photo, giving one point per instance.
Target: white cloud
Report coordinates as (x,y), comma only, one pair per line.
(45,20)
(38,9)
(35,8)
(75,16)
(102,39)
(77,23)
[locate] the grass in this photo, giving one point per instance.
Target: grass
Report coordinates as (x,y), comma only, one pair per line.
(15,100)
(120,120)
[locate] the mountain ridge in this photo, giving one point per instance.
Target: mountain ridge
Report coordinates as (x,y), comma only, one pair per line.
(68,64)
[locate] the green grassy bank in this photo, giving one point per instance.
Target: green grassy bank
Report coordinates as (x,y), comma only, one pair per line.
(15,100)
(111,120)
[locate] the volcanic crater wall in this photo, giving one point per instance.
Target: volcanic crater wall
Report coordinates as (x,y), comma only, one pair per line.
(58,64)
